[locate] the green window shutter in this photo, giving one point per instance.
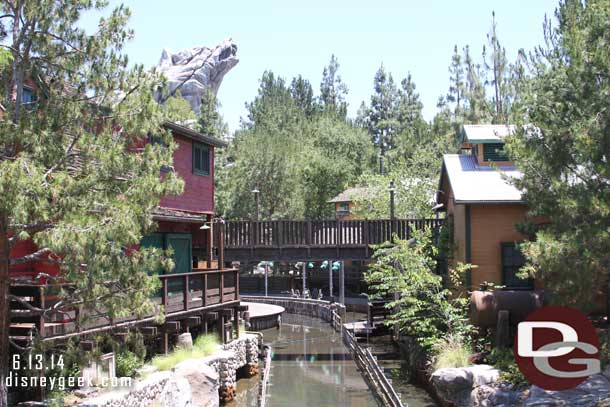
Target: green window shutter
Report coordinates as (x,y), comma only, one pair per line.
(494,152)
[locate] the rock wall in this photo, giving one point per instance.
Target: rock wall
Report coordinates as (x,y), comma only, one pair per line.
(192,383)
(478,386)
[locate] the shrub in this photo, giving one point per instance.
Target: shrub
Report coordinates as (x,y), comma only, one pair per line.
(451,352)
(204,346)
(504,360)
(426,308)
(126,363)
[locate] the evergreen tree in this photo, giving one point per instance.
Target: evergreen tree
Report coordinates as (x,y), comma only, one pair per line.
(477,105)
(210,121)
(456,82)
(72,177)
(333,90)
(382,113)
(497,65)
(178,109)
(302,94)
(563,149)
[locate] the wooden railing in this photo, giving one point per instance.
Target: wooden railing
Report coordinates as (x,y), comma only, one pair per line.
(179,295)
(322,233)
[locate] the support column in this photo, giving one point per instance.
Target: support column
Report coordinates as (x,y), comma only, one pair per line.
(304,277)
(210,241)
(342,284)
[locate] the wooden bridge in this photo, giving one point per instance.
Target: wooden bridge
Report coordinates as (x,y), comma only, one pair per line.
(288,240)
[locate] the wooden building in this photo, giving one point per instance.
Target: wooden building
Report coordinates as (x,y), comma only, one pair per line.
(199,288)
(483,208)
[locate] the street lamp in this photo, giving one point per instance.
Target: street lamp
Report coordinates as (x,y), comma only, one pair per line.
(392,190)
(256,193)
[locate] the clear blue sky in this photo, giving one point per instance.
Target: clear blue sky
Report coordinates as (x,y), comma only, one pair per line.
(292,38)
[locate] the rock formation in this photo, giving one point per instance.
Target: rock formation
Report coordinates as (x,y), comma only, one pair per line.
(194,69)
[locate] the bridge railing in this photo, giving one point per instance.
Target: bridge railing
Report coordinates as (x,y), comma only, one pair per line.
(320,233)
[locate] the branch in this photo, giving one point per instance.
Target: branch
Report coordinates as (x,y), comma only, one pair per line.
(23,302)
(34,256)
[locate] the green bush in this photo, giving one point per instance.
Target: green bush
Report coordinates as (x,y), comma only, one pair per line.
(127,363)
(504,360)
(451,352)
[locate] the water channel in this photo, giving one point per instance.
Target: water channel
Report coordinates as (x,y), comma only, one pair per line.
(312,367)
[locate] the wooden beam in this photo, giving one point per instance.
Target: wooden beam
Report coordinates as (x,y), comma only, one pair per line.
(171,326)
(191,321)
(149,330)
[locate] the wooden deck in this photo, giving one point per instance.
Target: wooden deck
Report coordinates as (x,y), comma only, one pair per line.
(182,296)
(314,240)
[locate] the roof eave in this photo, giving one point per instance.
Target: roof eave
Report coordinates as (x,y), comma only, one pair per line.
(490,201)
(194,135)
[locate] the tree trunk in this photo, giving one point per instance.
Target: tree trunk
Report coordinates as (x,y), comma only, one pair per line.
(4,310)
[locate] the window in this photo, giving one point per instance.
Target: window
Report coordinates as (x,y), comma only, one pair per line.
(494,152)
(28,97)
(512,261)
(344,207)
(201,159)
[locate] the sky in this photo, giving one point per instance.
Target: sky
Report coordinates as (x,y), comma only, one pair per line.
(292,38)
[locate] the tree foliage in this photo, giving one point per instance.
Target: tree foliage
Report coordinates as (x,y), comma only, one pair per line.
(424,307)
(563,151)
(75,175)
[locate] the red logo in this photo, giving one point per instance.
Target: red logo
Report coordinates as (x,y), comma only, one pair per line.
(556,348)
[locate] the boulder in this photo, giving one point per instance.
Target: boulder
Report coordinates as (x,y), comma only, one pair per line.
(203,380)
(454,386)
(185,341)
(193,70)
(176,393)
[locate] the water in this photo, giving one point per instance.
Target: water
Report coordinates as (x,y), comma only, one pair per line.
(312,367)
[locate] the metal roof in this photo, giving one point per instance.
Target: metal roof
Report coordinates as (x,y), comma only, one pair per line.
(486,133)
(473,183)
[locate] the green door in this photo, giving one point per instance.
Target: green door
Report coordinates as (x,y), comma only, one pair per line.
(181,243)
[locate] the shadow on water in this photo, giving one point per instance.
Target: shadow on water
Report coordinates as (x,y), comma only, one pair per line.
(312,367)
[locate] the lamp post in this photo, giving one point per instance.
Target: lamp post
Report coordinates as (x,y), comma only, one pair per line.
(392,190)
(256,193)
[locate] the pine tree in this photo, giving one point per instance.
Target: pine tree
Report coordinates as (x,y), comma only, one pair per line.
(72,177)
(382,113)
(497,65)
(562,147)
(210,121)
(476,100)
(456,80)
(333,90)
(302,93)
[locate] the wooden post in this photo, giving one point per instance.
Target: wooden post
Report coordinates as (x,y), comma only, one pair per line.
(41,331)
(237,284)
(222,287)
(236,321)
(221,254)
(210,241)
(204,288)
(187,292)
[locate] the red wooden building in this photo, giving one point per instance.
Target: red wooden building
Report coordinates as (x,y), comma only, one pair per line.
(197,290)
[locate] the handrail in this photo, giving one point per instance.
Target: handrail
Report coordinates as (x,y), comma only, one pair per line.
(371,370)
(262,394)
